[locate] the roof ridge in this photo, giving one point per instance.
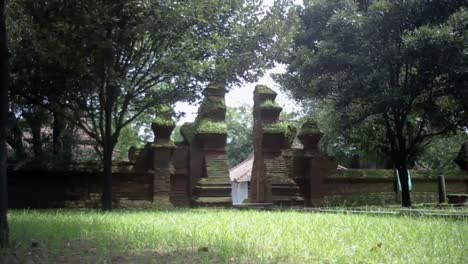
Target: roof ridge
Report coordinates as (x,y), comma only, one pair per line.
(244,161)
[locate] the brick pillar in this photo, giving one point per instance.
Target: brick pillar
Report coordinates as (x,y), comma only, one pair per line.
(163,170)
(319,166)
(270,182)
(208,151)
(161,156)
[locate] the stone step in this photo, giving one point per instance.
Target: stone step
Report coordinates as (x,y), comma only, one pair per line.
(215,181)
(212,191)
(212,201)
(288,200)
(286,191)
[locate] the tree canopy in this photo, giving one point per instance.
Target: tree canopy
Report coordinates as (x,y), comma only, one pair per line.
(388,64)
(239,121)
(100,65)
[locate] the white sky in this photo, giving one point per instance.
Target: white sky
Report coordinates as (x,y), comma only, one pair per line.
(243,94)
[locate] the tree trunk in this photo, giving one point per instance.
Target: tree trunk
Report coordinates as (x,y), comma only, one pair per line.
(4,71)
(400,159)
(109,102)
(405,193)
(59,126)
(107,156)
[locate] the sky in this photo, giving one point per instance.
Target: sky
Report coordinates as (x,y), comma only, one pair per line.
(243,93)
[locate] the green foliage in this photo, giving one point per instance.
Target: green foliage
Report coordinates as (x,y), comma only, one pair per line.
(441,151)
(239,121)
(291,133)
(346,143)
(128,138)
(135,55)
(176,135)
(390,73)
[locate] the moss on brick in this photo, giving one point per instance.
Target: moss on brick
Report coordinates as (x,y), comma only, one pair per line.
(309,127)
(216,89)
(276,128)
(169,144)
(164,116)
(207,126)
(270,104)
(263,89)
(390,174)
(164,122)
(364,174)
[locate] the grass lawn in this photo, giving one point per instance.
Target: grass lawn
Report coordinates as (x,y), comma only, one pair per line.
(231,236)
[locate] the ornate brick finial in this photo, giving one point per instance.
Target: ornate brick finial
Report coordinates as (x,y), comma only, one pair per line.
(163,125)
(310,134)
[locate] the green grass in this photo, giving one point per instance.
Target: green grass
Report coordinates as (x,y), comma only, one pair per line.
(233,236)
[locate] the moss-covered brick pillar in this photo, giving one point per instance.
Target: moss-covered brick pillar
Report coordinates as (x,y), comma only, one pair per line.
(162,150)
(210,165)
(270,176)
(318,165)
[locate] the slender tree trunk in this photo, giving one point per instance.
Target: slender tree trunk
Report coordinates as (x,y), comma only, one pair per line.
(109,102)
(59,126)
(107,151)
(402,167)
(405,193)
(4,72)
(36,138)
(399,159)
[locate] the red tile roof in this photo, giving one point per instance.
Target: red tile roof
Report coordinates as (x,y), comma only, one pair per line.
(242,172)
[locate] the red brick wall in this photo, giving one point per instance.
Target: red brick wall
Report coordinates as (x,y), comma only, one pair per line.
(376,187)
(55,189)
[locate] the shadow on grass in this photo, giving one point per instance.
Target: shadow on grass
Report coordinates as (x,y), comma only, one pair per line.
(85,252)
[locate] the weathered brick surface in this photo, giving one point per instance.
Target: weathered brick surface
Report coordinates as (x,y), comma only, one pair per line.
(210,178)
(50,189)
(376,187)
(271,181)
(216,165)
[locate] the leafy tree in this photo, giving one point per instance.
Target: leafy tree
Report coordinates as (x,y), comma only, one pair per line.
(239,121)
(388,62)
(119,59)
(128,138)
(441,151)
(38,86)
(176,136)
(4,79)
